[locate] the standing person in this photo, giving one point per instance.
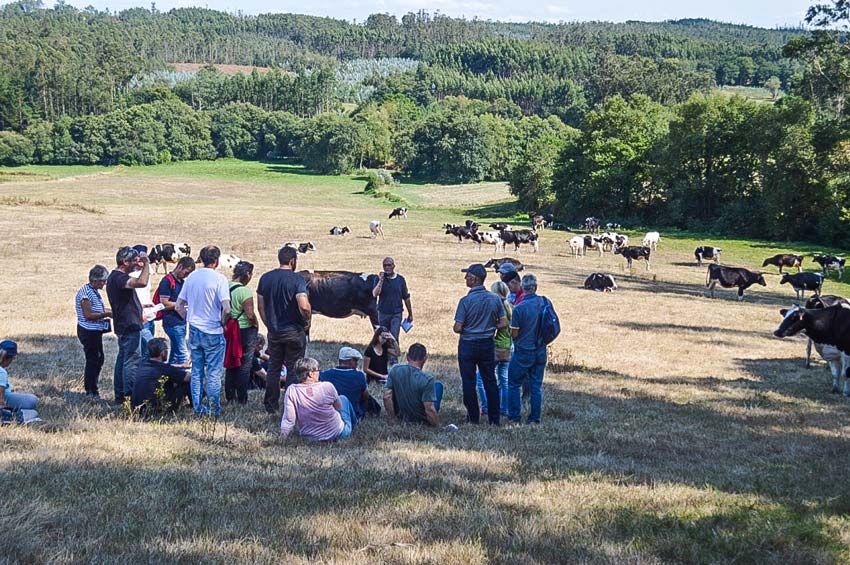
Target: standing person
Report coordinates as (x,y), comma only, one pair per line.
(285,310)
(377,356)
(205,301)
(143,293)
(175,387)
(529,359)
(237,379)
(314,408)
(510,277)
(173,323)
(503,355)
(9,399)
(411,394)
(391,291)
(92,323)
(349,382)
(479,314)
(127,316)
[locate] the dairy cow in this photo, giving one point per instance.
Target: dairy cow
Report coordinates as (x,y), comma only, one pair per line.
(634,253)
(803,282)
(398,213)
(336,230)
(520,237)
(164,253)
(785,260)
(707,252)
(730,277)
(838,362)
(832,262)
(340,294)
(600,282)
(496,263)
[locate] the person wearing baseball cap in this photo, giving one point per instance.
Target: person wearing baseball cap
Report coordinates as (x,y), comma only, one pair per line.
(350,382)
(9,399)
(479,314)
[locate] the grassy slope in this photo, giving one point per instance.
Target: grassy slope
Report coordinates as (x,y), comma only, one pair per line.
(674,428)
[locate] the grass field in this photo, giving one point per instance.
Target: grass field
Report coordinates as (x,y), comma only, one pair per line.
(675,427)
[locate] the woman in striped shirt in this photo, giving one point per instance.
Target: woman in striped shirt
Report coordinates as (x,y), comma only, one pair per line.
(92,323)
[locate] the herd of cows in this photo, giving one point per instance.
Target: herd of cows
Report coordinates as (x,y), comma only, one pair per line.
(824,319)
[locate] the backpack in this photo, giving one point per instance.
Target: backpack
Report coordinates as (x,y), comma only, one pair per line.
(549,326)
(155,298)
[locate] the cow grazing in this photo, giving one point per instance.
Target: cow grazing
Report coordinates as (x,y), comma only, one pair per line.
(336,230)
(500,226)
(302,246)
(472,225)
(538,222)
(610,240)
(613,226)
(634,253)
(449,226)
(803,282)
(600,282)
(226,262)
(651,240)
(398,213)
(591,224)
(497,263)
(729,277)
(340,294)
(461,233)
(707,252)
(576,245)
(376,228)
(520,237)
(490,238)
(828,262)
(165,253)
(785,260)
(838,362)
(594,243)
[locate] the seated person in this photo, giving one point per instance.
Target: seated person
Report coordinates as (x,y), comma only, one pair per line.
(259,364)
(378,353)
(154,373)
(411,394)
(351,383)
(315,408)
(8,399)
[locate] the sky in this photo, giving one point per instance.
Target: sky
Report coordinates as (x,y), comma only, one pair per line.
(762,13)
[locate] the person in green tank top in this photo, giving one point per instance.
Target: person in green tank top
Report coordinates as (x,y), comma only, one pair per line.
(237,379)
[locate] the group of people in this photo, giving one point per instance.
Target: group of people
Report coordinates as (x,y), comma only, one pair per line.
(499,350)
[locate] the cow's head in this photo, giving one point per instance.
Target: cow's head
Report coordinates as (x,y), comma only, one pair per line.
(619,250)
(767,262)
(346,229)
(793,321)
(184,248)
(786,278)
(761,280)
(490,263)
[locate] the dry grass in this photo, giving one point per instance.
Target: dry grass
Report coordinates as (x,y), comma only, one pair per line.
(675,428)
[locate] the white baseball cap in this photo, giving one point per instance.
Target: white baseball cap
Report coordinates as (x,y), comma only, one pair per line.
(349,353)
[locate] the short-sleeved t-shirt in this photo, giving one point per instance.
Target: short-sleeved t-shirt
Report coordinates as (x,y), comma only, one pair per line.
(126,309)
(279,288)
(377,363)
(393,292)
(88,292)
(170,318)
(237,299)
(478,313)
(349,383)
(4,380)
(204,291)
(411,387)
(526,319)
(147,380)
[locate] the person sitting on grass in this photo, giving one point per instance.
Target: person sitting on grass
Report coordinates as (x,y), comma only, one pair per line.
(411,394)
(9,399)
(260,364)
(158,381)
(315,408)
(378,353)
(351,383)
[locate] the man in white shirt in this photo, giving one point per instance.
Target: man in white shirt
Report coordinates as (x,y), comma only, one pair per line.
(205,302)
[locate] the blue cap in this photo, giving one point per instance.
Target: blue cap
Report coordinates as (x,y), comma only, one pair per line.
(477,270)
(9,346)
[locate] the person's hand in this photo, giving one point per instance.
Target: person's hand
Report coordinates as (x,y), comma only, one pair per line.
(410,318)
(381,276)
(107,312)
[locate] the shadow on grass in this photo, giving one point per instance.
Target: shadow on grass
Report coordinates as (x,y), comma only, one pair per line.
(498,210)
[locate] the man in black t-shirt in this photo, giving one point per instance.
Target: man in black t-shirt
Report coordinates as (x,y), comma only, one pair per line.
(175,387)
(285,310)
(391,292)
(127,316)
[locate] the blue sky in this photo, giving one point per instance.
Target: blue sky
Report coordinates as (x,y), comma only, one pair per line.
(764,13)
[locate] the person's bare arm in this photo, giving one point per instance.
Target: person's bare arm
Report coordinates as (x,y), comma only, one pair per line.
(389,407)
(142,280)
(391,345)
(167,302)
(367,364)
(85,305)
(376,292)
(431,414)
(225,311)
(458,327)
(248,308)
(261,308)
(182,308)
(502,323)
(2,397)
(514,333)
(305,309)
(409,309)
(338,405)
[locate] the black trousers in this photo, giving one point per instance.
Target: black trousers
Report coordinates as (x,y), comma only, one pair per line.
(285,347)
(237,379)
(92,341)
(478,356)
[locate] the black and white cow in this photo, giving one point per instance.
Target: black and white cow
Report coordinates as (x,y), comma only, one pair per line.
(520,237)
(490,238)
(600,282)
(538,222)
(472,225)
(336,230)
(500,226)
(302,246)
(165,253)
(461,233)
(340,294)
(496,263)
(591,224)
(398,213)
(634,253)
(803,282)
(730,277)
(828,262)
(838,362)
(707,252)
(785,260)
(594,243)
(613,226)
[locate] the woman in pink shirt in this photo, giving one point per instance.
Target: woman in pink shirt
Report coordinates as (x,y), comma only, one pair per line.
(314,407)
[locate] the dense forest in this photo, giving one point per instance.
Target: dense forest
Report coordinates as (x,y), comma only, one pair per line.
(627,121)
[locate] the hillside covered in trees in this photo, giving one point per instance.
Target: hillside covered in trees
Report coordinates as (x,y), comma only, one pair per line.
(620,120)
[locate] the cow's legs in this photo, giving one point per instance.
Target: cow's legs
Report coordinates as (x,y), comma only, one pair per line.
(647,265)
(835,369)
(740,293)
(809,353)
(845,369)
(710,288)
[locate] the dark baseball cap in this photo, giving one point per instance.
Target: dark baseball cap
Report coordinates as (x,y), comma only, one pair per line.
(141,248)
(477,270)
(10,347)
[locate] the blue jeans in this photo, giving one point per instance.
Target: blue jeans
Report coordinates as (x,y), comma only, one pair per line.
(526,367)
(207,368)
(349,418)
(126,364)
(179,350)
(21,401)
(148,331)
(393,323)
(438,392)
(480,355)
(502,378)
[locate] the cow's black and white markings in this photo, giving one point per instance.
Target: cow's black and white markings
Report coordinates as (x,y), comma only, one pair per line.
(594,243)
(497,263)
(340,294)
(729,277)
(591,224)
(707,252)
(830,262)
(803,282)
(600,282)
(520,237)
(398,213)
(163,254)
(785,260)
(302,246)
(336,230)
(837,361)
(634,253)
